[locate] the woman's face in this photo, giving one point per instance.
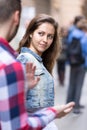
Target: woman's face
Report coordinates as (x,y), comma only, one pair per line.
(42,38)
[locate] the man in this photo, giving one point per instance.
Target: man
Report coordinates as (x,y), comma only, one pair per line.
(77,50)
(13,115)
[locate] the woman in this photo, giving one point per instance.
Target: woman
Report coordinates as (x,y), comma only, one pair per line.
(40,45)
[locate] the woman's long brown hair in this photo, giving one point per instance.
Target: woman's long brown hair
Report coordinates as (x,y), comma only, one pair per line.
(50,55)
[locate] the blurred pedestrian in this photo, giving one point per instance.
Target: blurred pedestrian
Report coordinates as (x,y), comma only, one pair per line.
(77,71)
(62,59)
(74,25)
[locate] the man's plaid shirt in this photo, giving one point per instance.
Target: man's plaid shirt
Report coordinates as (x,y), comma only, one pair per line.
(13,115)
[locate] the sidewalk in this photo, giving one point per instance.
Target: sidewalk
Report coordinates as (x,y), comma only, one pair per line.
(71,121)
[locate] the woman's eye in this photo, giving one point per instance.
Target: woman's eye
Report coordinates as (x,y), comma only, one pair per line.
(50,36)
(40,33)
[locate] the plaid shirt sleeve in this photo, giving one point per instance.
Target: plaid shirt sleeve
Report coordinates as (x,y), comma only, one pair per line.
(13,115)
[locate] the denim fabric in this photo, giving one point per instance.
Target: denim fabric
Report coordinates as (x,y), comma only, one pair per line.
(43,94)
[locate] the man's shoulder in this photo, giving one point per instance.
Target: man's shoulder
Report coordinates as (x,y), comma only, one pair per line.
(8,62)
(11,74)
(6,57)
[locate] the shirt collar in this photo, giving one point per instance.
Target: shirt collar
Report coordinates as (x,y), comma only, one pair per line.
(25,49)
(7,47)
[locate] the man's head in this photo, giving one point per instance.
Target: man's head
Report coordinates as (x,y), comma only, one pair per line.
(10,11)
(78,18)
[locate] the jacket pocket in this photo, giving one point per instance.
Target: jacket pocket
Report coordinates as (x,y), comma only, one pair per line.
(39,72)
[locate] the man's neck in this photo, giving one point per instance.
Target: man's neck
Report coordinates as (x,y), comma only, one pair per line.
(3,31)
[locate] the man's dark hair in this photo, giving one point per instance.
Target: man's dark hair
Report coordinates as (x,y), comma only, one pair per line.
(7,8)
(78,18)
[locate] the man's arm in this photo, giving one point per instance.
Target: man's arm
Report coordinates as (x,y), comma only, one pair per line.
(41,118)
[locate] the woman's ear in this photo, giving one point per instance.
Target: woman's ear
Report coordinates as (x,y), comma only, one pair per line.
(30,35)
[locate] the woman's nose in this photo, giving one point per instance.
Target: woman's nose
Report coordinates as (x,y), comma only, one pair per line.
(45,38)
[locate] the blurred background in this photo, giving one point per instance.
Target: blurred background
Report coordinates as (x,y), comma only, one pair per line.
(63,11)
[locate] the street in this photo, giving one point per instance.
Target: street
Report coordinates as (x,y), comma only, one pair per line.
(71,121)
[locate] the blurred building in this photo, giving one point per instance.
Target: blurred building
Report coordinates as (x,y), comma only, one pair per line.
(62,10)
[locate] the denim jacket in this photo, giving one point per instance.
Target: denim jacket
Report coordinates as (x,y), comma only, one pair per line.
(42,95)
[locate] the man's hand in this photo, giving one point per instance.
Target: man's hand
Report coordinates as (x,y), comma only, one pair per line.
(63,110)
(30,75)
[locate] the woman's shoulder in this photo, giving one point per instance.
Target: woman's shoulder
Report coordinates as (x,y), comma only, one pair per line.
(25,57)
